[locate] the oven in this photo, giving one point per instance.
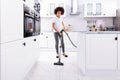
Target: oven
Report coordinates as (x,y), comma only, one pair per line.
(37,23)
(28,22)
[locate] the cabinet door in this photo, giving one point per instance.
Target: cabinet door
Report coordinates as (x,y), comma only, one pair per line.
(11,20)
(34,49)
(30,3)
(119,51)
(44,9)
(37,47)
(108,10)
(2,68)
(98,9)
(43,40)
(93,9)
(101,51)
(101,9)
(14,60)
(47,8)
(51,40)
(88,9)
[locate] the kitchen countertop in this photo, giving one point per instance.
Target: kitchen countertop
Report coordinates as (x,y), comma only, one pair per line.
(90,32)
(101,32)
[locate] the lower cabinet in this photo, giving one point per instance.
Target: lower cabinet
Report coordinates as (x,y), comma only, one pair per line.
(119,51)
(13,66)
(47,41)
(101,51)
(18,57)
(51,40)
(43,40)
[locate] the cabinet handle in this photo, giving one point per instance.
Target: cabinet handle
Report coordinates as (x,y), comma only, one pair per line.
(24,44)
(116,38)
(35,40)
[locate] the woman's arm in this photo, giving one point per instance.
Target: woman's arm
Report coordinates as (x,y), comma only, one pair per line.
(63,25)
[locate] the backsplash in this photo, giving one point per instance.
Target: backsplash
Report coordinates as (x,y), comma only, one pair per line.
(77,22)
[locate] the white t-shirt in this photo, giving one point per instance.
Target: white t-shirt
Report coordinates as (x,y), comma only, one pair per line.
(58,23)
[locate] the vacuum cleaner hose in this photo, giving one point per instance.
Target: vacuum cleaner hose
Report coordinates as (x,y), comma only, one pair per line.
(68,37)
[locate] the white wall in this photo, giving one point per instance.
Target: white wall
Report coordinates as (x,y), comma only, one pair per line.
(118,3)
(78,22)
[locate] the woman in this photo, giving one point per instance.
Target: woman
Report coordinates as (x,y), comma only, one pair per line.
(58,26)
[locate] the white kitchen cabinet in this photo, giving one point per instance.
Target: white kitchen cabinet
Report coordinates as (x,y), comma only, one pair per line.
(14,58)
(44,9)
(51,40)
(119,51)
(108,10)
(68,45)
(47,8)
(43,40)
(47,40)
(30,3)
(100,9)
(101,51)
(93,9)
(11,20)
(81,51)
(2,63)
(18,57)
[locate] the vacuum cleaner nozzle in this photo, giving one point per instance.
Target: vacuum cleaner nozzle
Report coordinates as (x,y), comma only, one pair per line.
(59,63)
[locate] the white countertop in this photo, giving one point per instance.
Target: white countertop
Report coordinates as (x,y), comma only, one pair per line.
(90,32)
(101,32)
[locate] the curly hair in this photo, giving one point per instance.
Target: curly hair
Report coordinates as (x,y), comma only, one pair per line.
(59,9)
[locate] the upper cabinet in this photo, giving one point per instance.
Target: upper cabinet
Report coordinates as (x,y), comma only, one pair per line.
(30,3)
(47,8)
(11,20)
(119,51)
(100,9)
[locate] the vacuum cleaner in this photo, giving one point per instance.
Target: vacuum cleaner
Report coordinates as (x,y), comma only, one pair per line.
(59,59)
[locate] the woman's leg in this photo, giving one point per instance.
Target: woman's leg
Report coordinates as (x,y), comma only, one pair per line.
(56,42)
(62,44)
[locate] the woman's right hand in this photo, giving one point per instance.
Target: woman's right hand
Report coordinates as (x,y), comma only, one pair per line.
(60,34)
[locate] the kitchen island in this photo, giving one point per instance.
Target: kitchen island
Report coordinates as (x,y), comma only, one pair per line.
(99,50)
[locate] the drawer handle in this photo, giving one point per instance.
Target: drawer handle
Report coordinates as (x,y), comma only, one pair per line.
(24,44)
(35,40)
(116,38)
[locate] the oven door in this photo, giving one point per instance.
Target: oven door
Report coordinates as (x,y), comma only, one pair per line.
(37,27)
(28,26)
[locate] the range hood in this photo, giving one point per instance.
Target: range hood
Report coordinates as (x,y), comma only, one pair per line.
(74,7)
